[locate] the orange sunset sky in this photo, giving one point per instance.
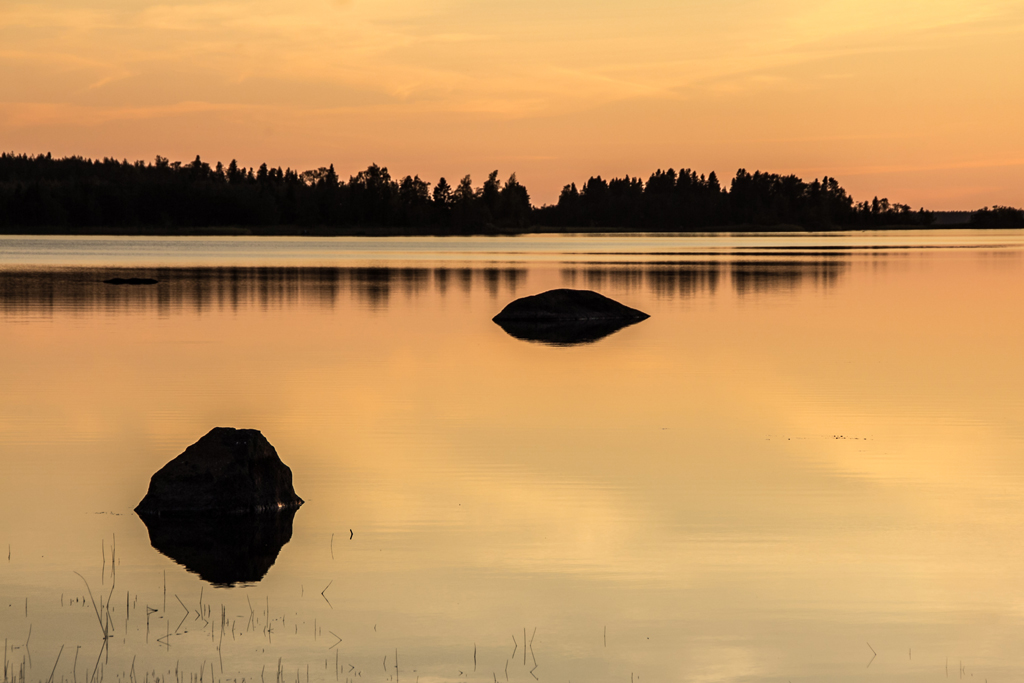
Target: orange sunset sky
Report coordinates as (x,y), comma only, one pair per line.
(920,101)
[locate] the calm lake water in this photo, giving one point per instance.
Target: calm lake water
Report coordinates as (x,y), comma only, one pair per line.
(807,465)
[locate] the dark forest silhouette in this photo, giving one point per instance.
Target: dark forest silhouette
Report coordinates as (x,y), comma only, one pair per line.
(998,217)
(684,200)
(41,194)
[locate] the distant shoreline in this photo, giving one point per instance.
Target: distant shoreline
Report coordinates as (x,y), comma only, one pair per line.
(487,231)
(43,195)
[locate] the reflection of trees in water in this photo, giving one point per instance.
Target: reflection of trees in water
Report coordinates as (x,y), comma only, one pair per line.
(441,278)
(692,279)
(766,277)
(207,289)
(217,289)
(494,279)
(663,280)
(684,282)
(466,279)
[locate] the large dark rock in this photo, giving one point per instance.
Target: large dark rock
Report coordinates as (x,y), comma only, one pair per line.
(565,317)
(225,549)
(228,471)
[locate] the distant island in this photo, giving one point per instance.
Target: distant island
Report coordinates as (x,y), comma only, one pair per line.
(74,195)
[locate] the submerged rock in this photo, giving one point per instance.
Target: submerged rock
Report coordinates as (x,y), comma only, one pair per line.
(131,281)
(228,471)
(223,550)
(565,317)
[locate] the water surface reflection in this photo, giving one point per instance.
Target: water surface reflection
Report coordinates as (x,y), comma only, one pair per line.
(802,451)
(224,550)
(757,277)
(204,290)
(222,288)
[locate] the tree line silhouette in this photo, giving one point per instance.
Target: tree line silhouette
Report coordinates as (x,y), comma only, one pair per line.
(43,192)
(684,200)
(74,194)
(998,217)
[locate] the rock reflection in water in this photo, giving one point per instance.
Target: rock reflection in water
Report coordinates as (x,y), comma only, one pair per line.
(563,333)
(224,550)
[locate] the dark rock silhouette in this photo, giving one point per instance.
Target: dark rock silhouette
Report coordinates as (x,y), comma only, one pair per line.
(228,471)
(131,281)
(224,549)
(565,317)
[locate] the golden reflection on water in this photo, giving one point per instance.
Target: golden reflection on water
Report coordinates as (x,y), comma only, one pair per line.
(796,456)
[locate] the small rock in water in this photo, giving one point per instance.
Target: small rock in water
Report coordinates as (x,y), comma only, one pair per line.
(566,317)
(227,471)
(131,281)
